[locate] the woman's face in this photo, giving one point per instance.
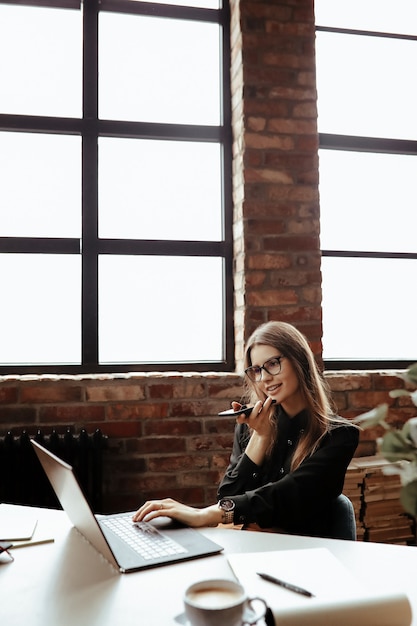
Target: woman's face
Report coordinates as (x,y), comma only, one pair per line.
(283,387)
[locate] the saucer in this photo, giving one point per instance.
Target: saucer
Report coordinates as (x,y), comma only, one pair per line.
(182,619)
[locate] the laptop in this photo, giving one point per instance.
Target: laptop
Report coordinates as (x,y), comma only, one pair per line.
(129,547)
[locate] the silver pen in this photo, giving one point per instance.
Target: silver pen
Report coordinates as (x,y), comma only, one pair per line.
(286,585)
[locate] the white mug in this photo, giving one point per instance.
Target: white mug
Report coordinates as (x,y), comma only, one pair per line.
(221,601)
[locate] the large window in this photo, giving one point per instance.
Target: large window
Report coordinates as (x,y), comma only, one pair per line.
(115,192)
(366,54)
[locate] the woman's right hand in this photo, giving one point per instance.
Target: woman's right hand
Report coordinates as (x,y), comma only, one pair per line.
(262,430)
(167,507)
(259,419)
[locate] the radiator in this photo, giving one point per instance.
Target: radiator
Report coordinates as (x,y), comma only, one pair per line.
(23,480)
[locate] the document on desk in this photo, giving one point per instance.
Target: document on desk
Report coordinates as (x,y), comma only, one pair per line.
(336,596)
(16,525)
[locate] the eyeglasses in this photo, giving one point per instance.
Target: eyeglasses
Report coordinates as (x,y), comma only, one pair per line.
(271,367)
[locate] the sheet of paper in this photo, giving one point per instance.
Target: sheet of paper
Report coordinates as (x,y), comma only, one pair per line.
(15,525)
(38,537)
(338,596)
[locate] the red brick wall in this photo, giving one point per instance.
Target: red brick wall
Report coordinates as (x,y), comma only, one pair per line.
(164,436)
(276,216)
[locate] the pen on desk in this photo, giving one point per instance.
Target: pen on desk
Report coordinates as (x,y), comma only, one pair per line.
(288,586)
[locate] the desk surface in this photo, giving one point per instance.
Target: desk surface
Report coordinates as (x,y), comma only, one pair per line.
(67,582)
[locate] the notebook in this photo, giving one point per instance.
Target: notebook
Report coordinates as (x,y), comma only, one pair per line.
(337,596)
(162,541)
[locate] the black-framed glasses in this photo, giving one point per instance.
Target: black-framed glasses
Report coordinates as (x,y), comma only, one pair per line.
(271,367)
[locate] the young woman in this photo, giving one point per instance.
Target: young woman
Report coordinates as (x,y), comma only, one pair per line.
(289,456)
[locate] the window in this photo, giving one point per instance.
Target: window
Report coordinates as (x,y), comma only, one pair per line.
(366,54)
(115,192)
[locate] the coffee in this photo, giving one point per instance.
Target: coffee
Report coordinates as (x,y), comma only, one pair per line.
(215,597)
(220,602)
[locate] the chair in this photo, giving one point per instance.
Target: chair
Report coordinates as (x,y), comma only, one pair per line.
(343,525)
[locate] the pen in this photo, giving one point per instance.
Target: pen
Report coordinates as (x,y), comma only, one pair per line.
(288,586)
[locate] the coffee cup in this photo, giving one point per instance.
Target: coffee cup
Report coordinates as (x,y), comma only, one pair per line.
(221,601)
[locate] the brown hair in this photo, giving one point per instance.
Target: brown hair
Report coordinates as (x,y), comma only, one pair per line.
(320,408)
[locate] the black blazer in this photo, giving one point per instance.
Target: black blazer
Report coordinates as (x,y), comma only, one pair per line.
(272,496)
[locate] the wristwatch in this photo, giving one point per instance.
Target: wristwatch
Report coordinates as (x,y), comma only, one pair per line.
(227,507)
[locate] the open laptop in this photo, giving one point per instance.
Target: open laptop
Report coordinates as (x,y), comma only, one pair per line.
(160,542)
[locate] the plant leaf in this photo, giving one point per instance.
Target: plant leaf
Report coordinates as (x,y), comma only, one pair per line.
(408,498)
(374,417)
(397,393)
(396,446)
(410,375)
(410,431)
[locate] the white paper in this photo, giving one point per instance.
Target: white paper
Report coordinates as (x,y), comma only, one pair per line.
(15,524)
(338,597)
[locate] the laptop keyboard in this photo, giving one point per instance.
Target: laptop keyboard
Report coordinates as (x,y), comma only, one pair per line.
(144,538)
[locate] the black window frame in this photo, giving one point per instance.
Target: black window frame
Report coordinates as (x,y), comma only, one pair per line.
(373,145)
(90,128)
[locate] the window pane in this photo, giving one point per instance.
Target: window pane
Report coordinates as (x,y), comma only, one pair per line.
(159,190)
(160,309)
(378,15)
(40,185)
(159,70)
(364,86)
(369,309)
(42,320)
(368,201)
(41,61)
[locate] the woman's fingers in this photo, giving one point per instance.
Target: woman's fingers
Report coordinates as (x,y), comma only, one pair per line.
(155,508)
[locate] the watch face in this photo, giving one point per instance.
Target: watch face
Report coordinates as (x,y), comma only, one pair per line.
(226,504)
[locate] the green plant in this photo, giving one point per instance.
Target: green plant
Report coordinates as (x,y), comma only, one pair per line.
(398,446)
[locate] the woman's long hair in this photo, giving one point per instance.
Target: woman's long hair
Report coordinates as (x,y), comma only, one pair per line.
(320,408)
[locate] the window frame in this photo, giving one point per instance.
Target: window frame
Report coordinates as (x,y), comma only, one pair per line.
(90,128)
(331,141)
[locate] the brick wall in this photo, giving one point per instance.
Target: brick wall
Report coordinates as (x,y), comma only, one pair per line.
(164,436)
(276,219)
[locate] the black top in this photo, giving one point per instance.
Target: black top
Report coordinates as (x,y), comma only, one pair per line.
(272,496)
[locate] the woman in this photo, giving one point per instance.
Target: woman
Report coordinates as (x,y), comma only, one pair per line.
(289,456)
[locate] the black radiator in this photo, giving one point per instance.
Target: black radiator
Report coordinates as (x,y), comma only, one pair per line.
(23,480)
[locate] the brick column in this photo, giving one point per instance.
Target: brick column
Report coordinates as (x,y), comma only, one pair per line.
(275,176)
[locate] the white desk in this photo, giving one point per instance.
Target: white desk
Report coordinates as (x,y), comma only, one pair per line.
(66,582)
